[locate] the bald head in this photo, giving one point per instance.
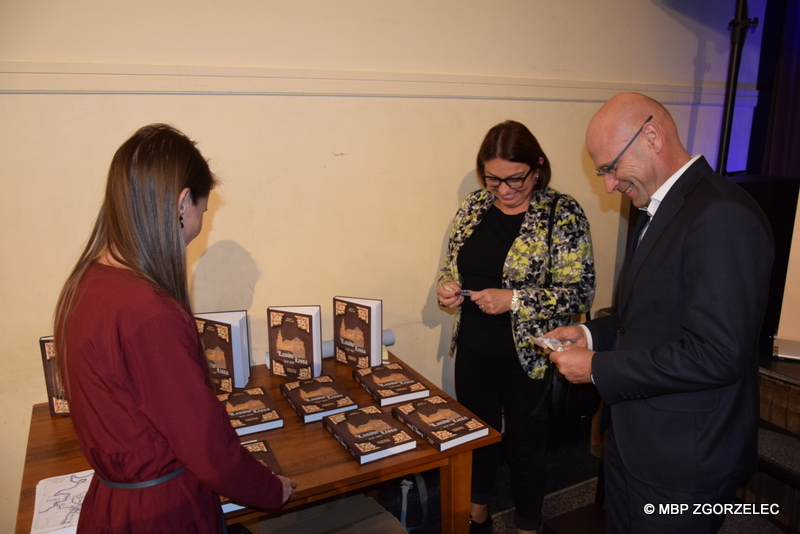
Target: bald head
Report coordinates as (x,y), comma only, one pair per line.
(653,156)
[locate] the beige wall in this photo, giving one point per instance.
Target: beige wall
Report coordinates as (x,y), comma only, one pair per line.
(789,327)
(344,134)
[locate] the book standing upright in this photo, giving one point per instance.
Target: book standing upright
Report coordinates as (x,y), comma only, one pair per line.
(56,395)
(295,341)
(239,340)
(357,331)
(216,339)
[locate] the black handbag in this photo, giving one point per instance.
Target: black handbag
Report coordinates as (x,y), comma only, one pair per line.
(565,403)
(562,402)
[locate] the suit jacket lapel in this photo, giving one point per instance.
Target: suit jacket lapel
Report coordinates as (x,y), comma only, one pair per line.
(669,208)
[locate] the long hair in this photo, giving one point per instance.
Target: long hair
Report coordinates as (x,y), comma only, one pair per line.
(512,141)
(138,224)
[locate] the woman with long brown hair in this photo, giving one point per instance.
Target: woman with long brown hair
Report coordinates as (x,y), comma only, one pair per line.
(137,381)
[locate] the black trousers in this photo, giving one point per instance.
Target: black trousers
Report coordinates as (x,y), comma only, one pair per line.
(494,387)
(635,507)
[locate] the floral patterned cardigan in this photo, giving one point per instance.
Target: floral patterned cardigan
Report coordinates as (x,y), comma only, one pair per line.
(572,280)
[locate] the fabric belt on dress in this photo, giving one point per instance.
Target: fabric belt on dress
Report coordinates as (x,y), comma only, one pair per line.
(145,484)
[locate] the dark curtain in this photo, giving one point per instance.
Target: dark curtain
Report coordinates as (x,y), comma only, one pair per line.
(780,127)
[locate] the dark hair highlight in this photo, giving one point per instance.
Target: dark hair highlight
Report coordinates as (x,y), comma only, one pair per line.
(512,141)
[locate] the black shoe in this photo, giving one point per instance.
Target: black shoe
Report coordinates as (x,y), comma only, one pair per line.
(481,528)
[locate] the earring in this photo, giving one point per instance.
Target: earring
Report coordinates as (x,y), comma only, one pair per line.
(180,218)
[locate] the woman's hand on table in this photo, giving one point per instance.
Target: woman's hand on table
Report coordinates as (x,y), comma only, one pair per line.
(288,488)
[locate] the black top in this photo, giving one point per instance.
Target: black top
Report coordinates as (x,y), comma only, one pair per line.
(480,264)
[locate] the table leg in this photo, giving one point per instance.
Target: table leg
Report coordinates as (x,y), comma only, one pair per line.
(455,480)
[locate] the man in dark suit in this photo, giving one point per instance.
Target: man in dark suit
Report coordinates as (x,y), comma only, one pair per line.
(677,364)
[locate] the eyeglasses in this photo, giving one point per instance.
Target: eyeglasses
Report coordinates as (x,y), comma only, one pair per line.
(610,166)
(513,183)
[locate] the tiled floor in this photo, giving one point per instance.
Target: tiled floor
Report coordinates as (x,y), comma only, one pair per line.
(569,463)
(564,501)
(583,496)
(556,504)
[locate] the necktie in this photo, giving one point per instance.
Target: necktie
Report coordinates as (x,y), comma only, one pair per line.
(647,218)
(637,230)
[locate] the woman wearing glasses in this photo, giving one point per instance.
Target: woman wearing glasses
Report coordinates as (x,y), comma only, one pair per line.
(519,263)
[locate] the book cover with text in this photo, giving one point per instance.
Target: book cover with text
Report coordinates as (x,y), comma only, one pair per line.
(357,331)
(239,339)
(216,339)
(390,383)
(295,341)
(56,395)
(251,410)
(368,434)
(441,423)
(315,398)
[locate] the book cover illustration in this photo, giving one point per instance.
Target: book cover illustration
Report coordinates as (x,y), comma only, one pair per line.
(369,434)
(251,410)
(56,396)
(240,341)
(263,453)
(390,383)
(357,329)
(216,339)
(295,345)
(441,423)
(315,398)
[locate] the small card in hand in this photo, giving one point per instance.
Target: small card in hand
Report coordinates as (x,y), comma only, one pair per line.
(547,343)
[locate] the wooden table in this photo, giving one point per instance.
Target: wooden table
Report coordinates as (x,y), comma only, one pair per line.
(307,453)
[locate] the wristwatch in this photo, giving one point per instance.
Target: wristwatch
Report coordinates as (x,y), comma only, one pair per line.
(514,301)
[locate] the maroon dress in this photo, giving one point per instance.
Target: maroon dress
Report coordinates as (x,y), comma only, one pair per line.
(142,407)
